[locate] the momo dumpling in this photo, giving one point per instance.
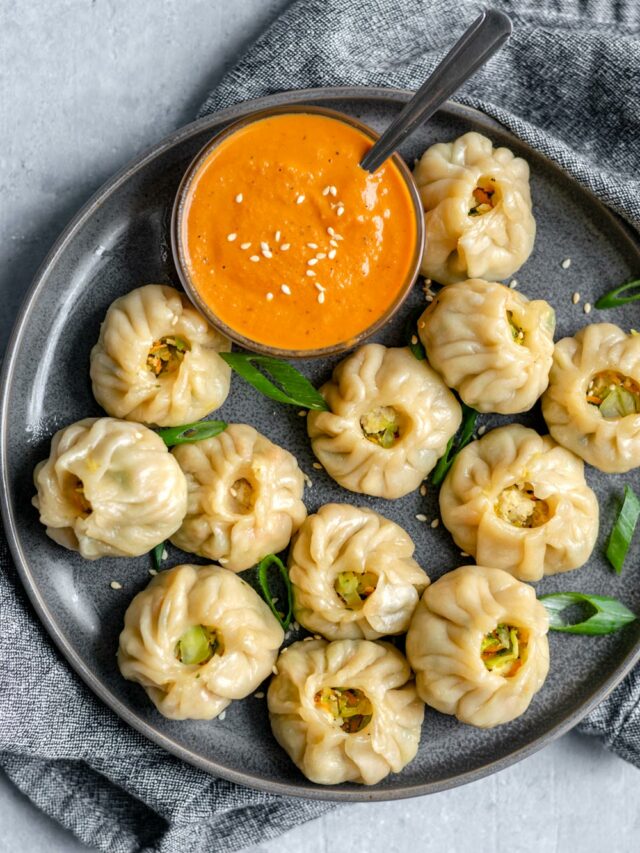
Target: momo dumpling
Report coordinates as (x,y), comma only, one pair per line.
(156,360)
(477,204)
(520,501)
(390,419)
(196,638)
(490,343)
(353,574)
(478,646)
(592,405)
(245,497)
(109,488)
(345,711)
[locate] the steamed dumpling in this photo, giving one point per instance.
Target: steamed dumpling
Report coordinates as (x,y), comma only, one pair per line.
(345,711)
(109,488)
(520,501)
(477,203)
(490,343)
(196,638)
(390,419)
(353,574)
(592,405)
(478,645)
(245,497)
(156,360)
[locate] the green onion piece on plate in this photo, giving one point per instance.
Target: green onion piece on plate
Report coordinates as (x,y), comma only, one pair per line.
(455,445)
(188,433)
(607,614)
(411,334)
(629,292)
(263,579)
(292,387)
(157,556)
(623,529)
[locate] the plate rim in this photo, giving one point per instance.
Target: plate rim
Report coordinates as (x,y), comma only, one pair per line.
(139,162)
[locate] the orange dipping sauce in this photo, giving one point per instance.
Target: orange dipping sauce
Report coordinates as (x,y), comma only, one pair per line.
(288,241)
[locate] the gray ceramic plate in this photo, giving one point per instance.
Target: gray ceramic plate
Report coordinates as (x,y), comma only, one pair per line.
(119,241)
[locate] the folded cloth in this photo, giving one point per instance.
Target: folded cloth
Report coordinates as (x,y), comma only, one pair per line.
(564,84)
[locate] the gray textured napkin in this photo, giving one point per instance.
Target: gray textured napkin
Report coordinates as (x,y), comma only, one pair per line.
(564,83)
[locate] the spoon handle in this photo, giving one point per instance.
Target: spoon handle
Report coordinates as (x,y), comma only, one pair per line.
(478,44)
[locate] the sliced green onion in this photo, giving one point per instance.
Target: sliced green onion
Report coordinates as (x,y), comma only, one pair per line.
(455,445)
(292,387)
(619,403)
(607,614)
(613,298)
(411,334)
(157,555)
(188,433)
(263,579)
(623,529)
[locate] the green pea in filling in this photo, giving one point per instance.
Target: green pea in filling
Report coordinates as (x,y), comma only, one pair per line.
(166,354)
(198,645)
(353,588)
(349,706)
(503,650)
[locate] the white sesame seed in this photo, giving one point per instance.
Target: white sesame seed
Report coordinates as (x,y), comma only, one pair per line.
(326,191)
(421,516)
(285,247)
(330,231)
(231,237)
(153,572)
(223,561)
(482,430)
(333,243)
(285,289)
(321,256)
(295,625)
(222,715)
(463,554)
(513,283)
(115,585)
(435,522)
(302,413)
(239,198)
(310,273)
(264,246)
(312,245)
(333,191)
(575,298)
(274,669)
(319,287)
(165,554)
(245,246)
(338,236)
(277,236)
(307,639)
(254,258)
(423,490)
(321,297)
(414,339)
(269,297)
(340,211)
(300,199)
(317,466)
(259,695)
(587,308)
(312,262)
(267,254)
(566,264)
(332,254)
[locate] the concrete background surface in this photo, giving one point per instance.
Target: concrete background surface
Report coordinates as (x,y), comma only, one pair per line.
(84,86)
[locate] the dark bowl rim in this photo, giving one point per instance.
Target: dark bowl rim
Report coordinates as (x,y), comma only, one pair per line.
(182,266)
(303,789)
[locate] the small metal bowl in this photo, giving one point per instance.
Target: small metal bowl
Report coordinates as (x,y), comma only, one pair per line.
(180,257)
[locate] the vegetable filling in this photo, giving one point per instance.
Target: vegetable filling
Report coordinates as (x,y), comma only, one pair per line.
(503,650)
(517,332)
(483,197)
(354,588)
(381,426)
(198,645)
(519,505)
(166,354)
(615,394)
(349,706)
(242,496)
(78,498)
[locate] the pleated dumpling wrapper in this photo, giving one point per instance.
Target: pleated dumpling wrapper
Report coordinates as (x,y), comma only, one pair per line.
(345,711)
(520,501)
(245,497)
(353,574)
(490,343)
(390,419)
(196,638)
(477,203)
(592,405)
(156,360)
(109,488)
(478,645)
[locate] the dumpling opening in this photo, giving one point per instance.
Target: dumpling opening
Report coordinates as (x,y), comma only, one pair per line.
(503,650)
(520,506)
(355,587)
(74,489)
(484,196)
(242,496)
(615,394)
(350,707)
(517,332)
(199,644)
(166,354)
(382,426)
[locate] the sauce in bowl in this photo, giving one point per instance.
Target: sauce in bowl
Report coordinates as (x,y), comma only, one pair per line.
(286,243)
